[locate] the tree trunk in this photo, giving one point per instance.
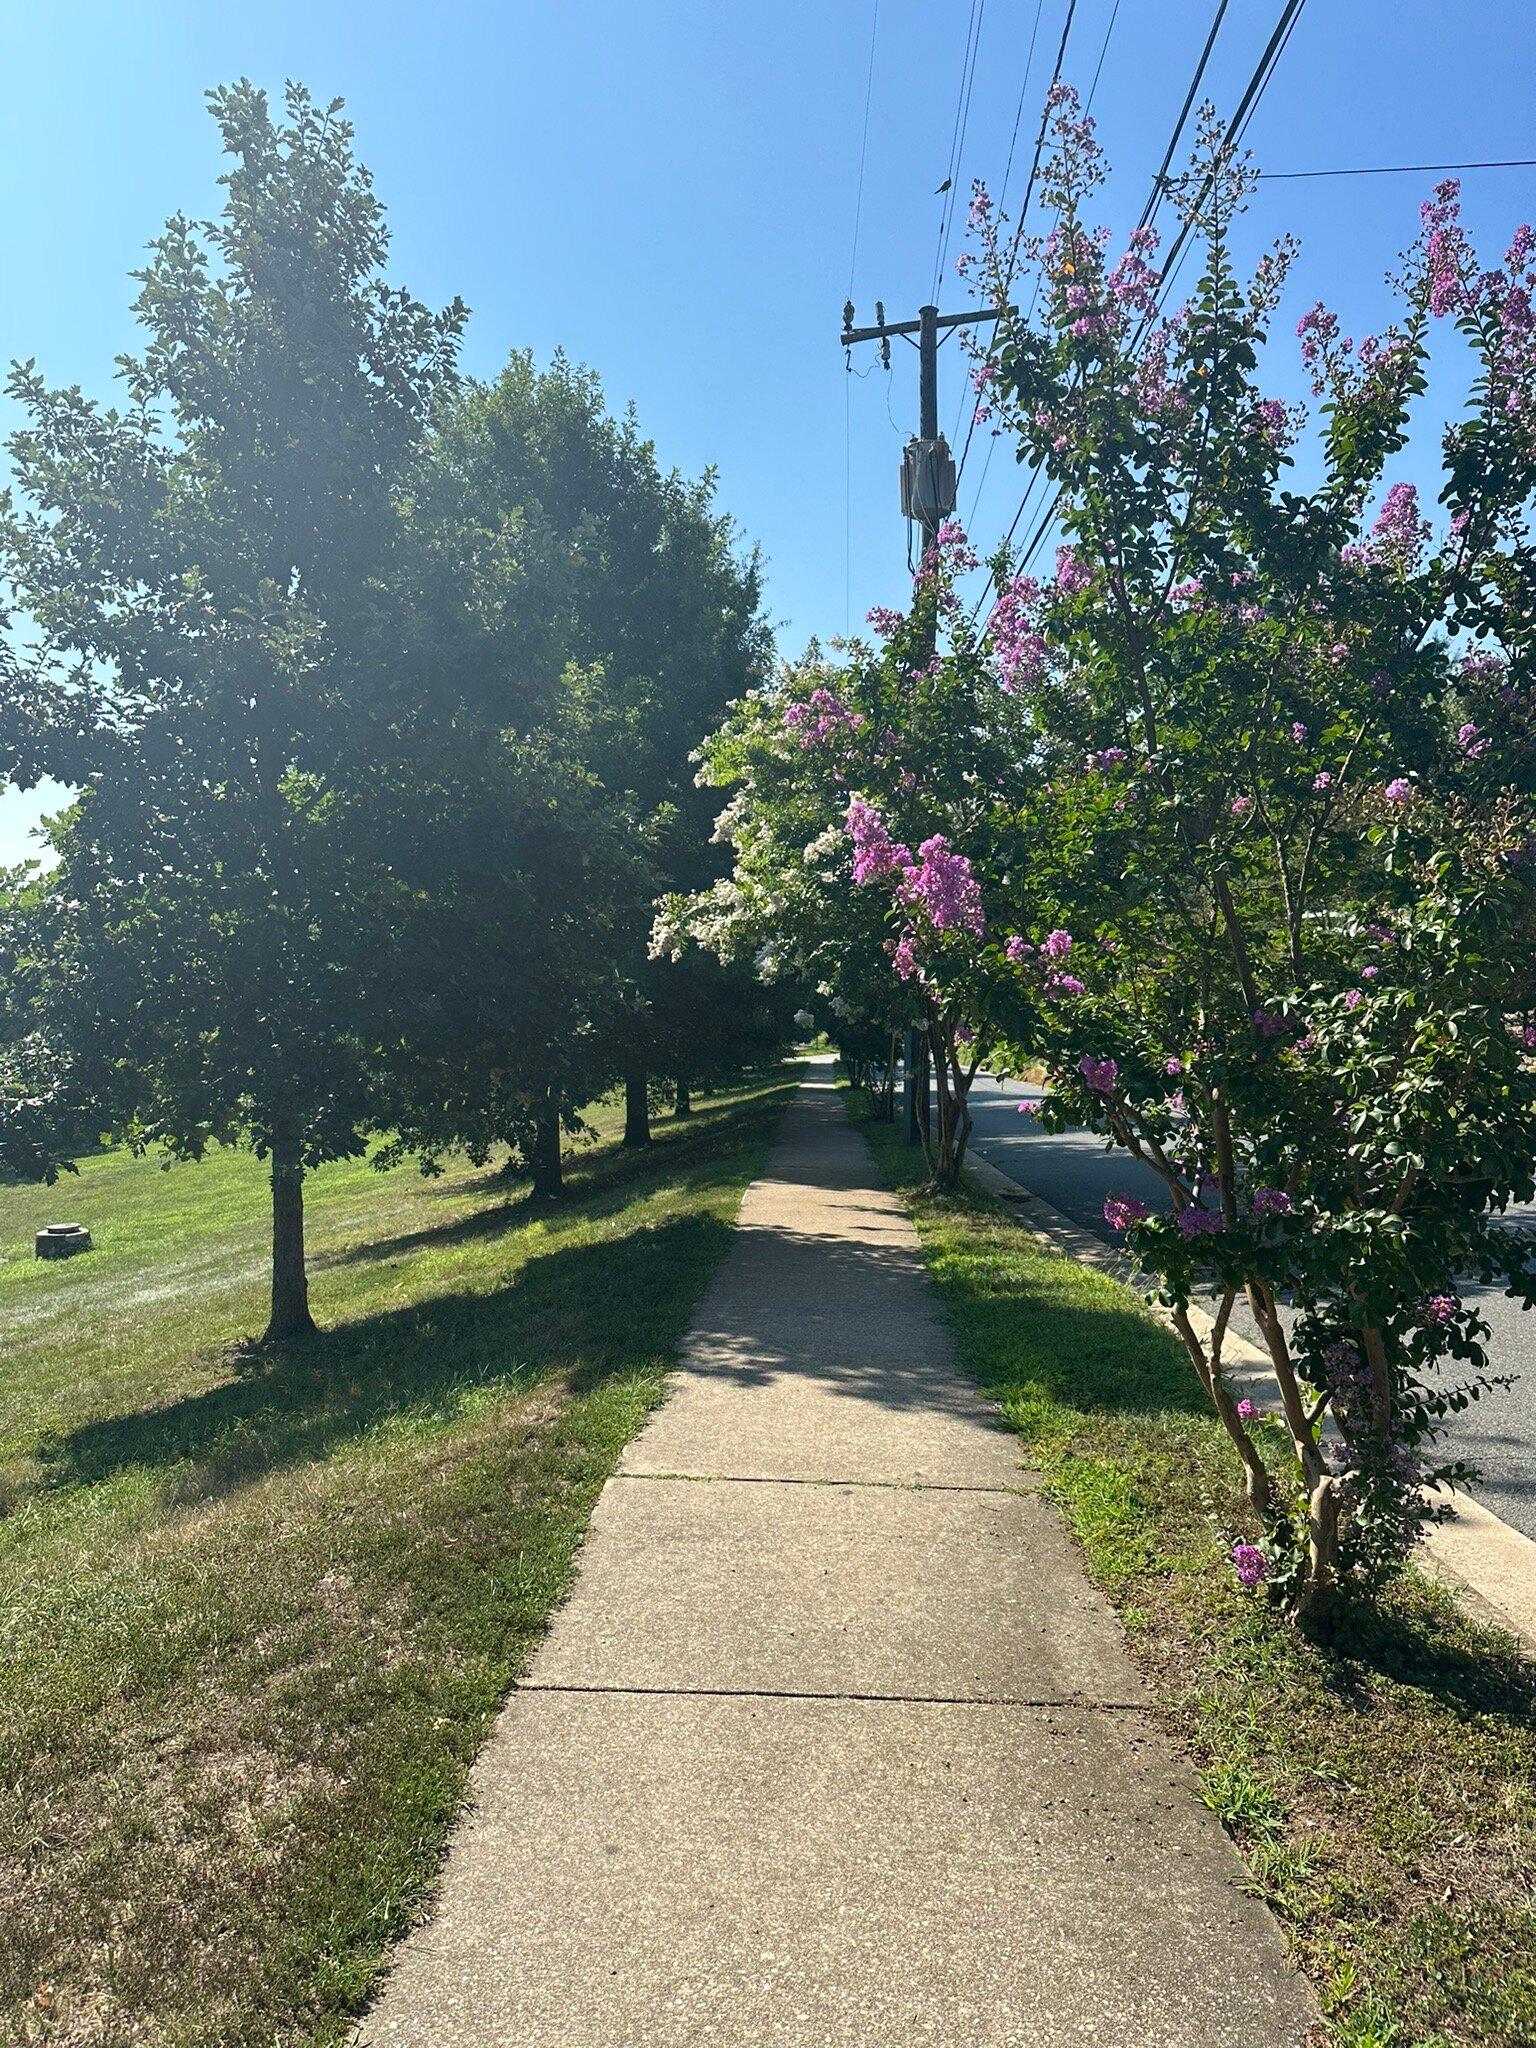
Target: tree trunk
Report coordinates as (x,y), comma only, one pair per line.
(887,1110)
(683,1100)
(637,1110)
(544,1153)
(1315,1602)
(290,1282)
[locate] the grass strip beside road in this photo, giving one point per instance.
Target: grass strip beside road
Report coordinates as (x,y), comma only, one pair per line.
(1383,1790)
(259,1609)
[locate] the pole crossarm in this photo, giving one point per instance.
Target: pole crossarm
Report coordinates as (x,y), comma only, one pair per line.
(886,328)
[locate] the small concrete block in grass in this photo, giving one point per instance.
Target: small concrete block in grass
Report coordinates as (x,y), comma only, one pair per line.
(63,1240)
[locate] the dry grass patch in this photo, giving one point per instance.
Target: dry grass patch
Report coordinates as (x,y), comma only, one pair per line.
(259,1609)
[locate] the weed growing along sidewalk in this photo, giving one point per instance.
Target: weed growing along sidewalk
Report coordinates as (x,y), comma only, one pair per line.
(258,1610)
(1384,1794)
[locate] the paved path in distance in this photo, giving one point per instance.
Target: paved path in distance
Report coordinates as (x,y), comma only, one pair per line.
(833,1745)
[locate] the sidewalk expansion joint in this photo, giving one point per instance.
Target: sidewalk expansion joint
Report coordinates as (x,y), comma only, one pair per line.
(1077,1704)
(875,1485)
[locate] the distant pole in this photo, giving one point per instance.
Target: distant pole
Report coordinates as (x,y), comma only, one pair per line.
(928,497)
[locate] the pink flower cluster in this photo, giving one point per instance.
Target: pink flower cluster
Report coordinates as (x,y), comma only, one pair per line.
(1448,259)
(1398,537)
(942,884)
(1100,1074)
(875,854)
(1017,645)
(822,715)
(1318,331)
(1072,572)
(1134,283)
(1121,1211)
(1196,1222)
(1250,1564)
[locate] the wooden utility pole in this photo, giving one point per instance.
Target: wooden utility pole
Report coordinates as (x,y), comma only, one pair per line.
(927,497)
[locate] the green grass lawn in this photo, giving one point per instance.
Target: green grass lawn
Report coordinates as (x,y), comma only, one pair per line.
(257,1609)
(1384,1791)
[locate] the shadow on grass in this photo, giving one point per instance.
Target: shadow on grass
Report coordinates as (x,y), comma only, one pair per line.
(581,1313)
(1412,1639)
(598,1182)
(1065,1350)
(1029,1323)
(578,1312)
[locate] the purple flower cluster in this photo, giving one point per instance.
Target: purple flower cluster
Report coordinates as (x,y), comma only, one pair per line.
(1121,1211)
(1196,1222)
(1133,283)
(822,715)
(1250,1564)
(1400,533)
(1100,1074)
(1271,1202)
(942,884)
(1056,945)
(1318,332)
(1448,260)
(875,854)
(1072,572)
(1017,645)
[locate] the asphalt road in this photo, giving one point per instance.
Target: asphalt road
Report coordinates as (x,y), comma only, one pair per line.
(1073,1172)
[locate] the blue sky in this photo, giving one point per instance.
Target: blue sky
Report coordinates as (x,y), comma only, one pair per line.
(667,189)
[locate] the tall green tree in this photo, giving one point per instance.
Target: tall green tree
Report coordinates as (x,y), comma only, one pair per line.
(589,595)
(215,566)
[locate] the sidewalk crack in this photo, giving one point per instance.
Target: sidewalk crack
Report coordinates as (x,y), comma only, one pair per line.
(1077,1703)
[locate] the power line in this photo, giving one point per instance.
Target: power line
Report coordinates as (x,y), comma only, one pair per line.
(1147,214)
(1257,85)
(853,264)
(869,91)
(1508,163)
(1018,112)
(1034,172)
(1150,209)
(1114,15)
(957,137)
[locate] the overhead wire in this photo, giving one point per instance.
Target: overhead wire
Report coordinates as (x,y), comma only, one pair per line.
(958,134)
(1029,189)
(1237,127)
(1114,14)
(869,93)
(853,264)
(1505,163)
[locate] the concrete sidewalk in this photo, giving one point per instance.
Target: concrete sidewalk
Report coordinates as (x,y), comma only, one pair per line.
(833,1743)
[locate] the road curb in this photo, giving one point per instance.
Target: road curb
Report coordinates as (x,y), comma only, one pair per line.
(1481,1559)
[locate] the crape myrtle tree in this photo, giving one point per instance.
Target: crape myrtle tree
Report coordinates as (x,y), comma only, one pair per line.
(211,566)
(869,810)
(1284,740)
(590,595)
